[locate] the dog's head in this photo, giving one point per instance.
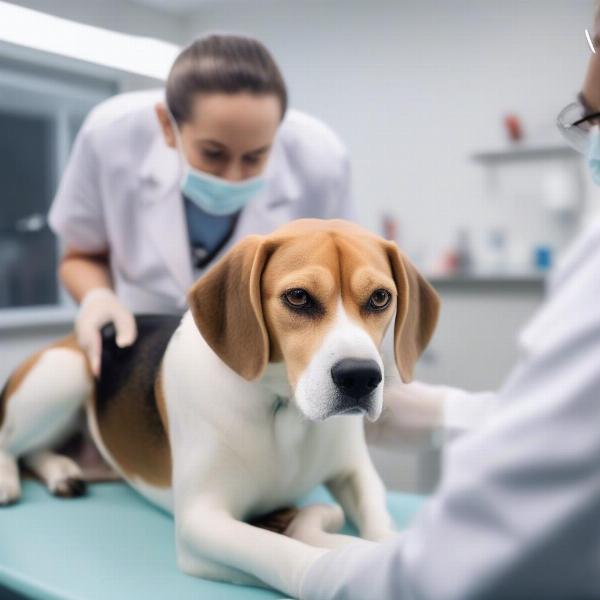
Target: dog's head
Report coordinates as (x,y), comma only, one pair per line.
(318,295)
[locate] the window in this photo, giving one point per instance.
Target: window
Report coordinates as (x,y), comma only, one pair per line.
(27,248)
(39,119)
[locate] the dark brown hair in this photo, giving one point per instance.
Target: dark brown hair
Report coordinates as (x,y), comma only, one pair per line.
(222,63)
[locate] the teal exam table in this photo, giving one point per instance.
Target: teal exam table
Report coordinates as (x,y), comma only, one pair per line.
(112,545)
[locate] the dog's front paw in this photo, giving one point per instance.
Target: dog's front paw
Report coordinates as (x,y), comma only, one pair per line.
(313,523)
(10,492)
(277,521)
(207,569)
(10,489)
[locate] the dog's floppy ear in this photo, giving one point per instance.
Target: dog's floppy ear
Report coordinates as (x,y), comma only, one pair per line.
(227,307)
(417,312)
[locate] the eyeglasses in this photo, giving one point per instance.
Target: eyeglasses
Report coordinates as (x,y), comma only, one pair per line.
(575,123)
(576,120)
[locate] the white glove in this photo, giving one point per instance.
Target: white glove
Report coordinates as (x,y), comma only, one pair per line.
(465,411)
(99,307)
(417,415)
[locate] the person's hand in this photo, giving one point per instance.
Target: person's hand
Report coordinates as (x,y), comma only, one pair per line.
(99,307)
(412,413)
(417,415)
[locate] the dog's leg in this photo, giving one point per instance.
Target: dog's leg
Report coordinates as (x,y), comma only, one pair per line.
(208,569)
(206,532)
(41,410)
(61,475)
(362,496)
(10,489)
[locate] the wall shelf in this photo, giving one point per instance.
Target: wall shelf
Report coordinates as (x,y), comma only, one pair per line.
(496,281)
(524,153)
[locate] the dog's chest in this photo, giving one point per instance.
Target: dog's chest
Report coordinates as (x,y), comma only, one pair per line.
(297,456)
(293,439)
(233,437)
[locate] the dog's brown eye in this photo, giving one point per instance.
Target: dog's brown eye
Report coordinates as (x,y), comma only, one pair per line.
(302,303)
(379,299)
(297,298)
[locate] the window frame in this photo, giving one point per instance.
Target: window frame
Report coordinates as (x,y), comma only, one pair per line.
(63,96)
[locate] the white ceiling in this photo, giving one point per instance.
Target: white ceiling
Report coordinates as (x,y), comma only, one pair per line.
(184,7)
(175,7)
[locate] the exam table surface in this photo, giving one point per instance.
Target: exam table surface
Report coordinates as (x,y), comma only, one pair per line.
(113,544)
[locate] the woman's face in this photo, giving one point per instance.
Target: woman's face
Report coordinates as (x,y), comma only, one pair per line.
(228,135)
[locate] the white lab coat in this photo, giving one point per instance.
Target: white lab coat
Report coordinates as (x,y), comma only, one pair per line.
(517,514)
(120,192)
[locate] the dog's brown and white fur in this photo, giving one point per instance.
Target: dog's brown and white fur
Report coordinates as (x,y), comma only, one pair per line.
(243,413)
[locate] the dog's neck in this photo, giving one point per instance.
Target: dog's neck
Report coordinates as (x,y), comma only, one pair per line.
(275,380)
(277,413)
(289,426)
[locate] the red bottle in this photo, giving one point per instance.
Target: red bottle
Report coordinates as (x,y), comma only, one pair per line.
(513,127)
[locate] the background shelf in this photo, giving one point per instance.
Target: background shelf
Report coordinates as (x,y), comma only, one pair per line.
(523,153)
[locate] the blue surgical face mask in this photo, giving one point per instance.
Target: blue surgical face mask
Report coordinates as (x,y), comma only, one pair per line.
(215,195)
(593,153)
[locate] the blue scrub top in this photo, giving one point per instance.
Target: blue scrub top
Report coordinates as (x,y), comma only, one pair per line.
(207,233)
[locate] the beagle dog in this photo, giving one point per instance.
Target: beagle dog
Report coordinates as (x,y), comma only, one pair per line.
(253,398)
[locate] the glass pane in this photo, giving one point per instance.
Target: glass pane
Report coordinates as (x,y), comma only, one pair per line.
(28,252)
(75,123)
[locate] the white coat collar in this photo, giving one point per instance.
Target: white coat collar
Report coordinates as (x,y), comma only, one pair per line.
(283,184)
(161,165)
(163,210)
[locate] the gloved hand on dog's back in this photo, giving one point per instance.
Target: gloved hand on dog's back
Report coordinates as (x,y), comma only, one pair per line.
(99,307)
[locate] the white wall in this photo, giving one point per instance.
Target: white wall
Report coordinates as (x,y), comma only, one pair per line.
(413,87)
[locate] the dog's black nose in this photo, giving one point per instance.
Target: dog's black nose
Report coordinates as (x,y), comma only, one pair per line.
(356,377)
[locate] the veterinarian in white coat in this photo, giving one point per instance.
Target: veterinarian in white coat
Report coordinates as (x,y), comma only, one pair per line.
(159,185)
(517,512)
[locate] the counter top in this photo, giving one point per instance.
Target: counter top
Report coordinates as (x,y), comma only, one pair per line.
(24,318)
